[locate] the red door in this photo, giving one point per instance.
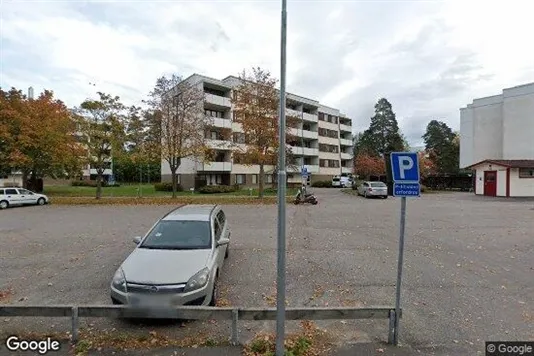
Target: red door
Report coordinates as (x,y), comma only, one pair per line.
(490,183)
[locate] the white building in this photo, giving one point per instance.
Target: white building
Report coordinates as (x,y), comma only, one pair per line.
(497,142)
(324,144)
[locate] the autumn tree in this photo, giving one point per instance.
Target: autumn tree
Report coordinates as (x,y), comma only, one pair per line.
(178,106)
(256,110)
(38,136)
(426,165)
(366,165)
(101,122)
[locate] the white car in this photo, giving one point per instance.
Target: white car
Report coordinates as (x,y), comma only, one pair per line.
(20,196)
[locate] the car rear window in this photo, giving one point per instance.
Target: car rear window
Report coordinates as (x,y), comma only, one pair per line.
(377,184)
(335,180)
(179,235)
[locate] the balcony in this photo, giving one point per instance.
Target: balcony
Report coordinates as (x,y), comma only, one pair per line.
(310,117)
(345,142)
(304,133)
(216,167)
(217,100)
(345,128)
(219,144)
(219,122)
(346,155)
(305,151)
(346,169)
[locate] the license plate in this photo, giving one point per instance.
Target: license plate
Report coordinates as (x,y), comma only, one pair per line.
(150,301)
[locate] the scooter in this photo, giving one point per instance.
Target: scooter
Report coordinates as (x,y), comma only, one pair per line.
(308,198)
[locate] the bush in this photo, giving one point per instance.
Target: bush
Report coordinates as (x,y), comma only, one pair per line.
(167,187)
(215,189)
(91,183)
(356,184)
(322,184)
(423,188)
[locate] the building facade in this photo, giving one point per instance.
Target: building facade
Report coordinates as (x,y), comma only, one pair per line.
(497,142)
(323,145)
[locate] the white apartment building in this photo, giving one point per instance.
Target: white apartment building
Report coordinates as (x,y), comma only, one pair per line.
(323,145)
(497,142)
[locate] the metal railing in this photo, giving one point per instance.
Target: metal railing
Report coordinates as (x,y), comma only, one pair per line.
(198,313)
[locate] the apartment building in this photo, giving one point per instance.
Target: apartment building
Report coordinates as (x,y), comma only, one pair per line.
(323,143)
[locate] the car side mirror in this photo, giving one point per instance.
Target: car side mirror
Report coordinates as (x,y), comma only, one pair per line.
(223,241)
(137,240)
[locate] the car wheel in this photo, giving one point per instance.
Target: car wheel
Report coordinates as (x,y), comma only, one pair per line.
(4,204)
(40,201)
(385,196)
(215,293)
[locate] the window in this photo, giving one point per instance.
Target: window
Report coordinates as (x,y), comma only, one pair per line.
(218,229)
(11,192)
(25,191)
(526,172)
(254,179)
(268,178)
(321,116)
(1,192)
(222,219)
(240,179)
(178,235)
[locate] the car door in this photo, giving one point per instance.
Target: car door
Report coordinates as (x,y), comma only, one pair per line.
(224,231)
(27,197)
(13,196)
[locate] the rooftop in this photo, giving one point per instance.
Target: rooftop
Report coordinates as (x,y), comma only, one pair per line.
(510,163)
(197,212)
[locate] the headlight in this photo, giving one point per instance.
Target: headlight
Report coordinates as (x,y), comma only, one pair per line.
(199,280)
(119,281)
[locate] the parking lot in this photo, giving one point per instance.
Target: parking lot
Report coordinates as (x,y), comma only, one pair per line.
(468,278)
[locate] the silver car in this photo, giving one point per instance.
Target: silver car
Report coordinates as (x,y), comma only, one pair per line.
(373,189)
(178,262)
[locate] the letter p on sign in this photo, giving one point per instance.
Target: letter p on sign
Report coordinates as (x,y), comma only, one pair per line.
(405,167)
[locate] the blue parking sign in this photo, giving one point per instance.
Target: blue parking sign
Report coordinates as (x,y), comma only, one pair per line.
(405,167)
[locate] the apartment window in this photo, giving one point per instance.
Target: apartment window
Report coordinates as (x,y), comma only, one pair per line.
(321,116)
(322,163)
(328,148)
(213,113)
(526,172)
(254,179)
(329,163)
(239,137)
(268,178)
(213,135)
(240,179)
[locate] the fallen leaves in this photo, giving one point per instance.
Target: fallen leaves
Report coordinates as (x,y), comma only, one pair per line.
(309,341)
(181,200)
(5,295)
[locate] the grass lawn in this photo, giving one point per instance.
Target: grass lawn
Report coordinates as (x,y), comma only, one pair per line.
(146,190)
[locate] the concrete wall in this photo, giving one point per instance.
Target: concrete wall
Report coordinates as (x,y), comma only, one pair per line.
(520,187)
(501,182)
(501,179)
(487,129)
(518,127)
(466,137)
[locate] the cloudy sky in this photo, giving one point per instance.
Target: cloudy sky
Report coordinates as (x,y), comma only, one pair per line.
(429,58)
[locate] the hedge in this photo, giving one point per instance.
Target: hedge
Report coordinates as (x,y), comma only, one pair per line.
(217,189)
(223,200)
(167,187)
(91,183)
(322,184)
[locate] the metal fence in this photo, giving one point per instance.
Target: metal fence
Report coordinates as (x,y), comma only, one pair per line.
(199,313)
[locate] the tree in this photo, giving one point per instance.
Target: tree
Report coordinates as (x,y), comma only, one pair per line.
(426,165)
(443,147)
(366,165)
(256,109)
(37,135)
(178,107)
(102,125)
(383,135)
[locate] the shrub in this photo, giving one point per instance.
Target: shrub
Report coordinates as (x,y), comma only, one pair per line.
(167,187)
(423,188)
(215,189)
(322,184)
(91,183)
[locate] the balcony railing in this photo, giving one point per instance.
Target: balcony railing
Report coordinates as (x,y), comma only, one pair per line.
(216,167)
(345,128)
(218,100)
(220,122)
(219,144)
(345,142)
(304,133)
(305,151)
(345,155)
(304,116)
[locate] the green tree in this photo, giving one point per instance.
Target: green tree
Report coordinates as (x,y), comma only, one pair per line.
(102,124)
(383,135)
(443,147)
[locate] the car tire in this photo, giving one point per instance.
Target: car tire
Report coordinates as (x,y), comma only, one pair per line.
(385,196)
(40,201)
(215,293)
(4,204)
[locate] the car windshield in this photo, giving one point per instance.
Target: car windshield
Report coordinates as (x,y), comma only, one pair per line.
(377,184)
(179,235)
(335,179)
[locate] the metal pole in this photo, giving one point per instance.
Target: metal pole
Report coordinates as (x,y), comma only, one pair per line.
(281,262)
(399,271)
(304,181)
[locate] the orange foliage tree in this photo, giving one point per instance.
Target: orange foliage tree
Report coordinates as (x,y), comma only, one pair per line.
(366,165)
(426,165)
(37,136)
(256,109)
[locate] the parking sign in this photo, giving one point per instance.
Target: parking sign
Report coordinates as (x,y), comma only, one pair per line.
(405,172)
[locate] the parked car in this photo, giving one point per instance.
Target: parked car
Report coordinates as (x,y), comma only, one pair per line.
(20,196)
(178,262)
(341,182)
(373,189)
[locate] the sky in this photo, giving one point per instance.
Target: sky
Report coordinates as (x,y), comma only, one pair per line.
(428,58)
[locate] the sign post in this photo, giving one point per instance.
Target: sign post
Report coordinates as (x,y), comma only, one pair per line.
(405,173)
